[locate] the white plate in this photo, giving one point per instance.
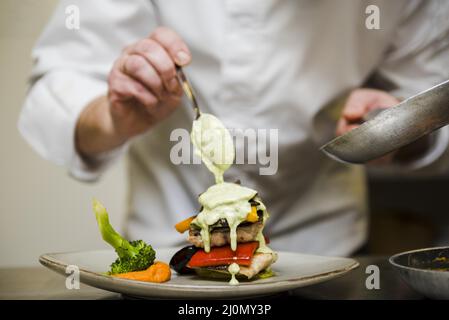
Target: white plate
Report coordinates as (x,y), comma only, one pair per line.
(292,270)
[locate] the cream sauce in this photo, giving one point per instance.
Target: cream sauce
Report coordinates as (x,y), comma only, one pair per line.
(224,200)
(213,144)
(233,269)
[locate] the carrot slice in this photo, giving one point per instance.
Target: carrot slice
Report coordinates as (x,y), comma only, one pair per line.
(184,225)
(157,272)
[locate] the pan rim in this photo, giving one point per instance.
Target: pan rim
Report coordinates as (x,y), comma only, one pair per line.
(401,266)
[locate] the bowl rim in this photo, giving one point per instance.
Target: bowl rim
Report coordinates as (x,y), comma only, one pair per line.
(395,264)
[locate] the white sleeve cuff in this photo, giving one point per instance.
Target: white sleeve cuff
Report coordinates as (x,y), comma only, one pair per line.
(81,170)
(49,116)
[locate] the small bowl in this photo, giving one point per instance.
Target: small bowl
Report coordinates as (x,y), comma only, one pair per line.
(425,270)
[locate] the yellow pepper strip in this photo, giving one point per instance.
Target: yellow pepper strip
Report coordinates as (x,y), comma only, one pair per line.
(184,225)
(252,215)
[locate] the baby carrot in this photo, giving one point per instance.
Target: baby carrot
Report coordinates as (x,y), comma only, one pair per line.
(157,272)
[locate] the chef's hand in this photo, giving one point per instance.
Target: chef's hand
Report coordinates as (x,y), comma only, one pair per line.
(358,104)
(142,90)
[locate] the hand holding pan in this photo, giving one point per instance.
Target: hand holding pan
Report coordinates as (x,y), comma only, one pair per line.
(393,128)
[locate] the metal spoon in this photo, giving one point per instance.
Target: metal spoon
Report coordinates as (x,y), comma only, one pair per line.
(393,128)
(188,90)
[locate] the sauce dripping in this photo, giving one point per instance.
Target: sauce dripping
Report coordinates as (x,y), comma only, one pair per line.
(213,144)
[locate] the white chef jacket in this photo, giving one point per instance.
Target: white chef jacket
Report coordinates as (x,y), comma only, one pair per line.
(266,64)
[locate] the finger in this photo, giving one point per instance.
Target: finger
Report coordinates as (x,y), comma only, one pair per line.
(364,100)
(350,127)
(383,100)
(125,88)
(173,44)
(161,61)
(141,70)
(340,126)
(171,102)
(343,126)
(356,106)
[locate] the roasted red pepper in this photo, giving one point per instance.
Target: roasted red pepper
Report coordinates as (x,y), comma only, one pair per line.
(219,256)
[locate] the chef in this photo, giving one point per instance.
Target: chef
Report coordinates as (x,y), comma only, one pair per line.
(109,88)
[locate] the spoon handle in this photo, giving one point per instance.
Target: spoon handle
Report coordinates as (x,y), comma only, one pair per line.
(188,90)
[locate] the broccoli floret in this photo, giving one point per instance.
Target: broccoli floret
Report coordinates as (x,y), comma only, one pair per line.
(132,256)
(141,261)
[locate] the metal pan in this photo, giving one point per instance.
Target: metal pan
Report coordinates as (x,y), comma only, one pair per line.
(393,128)
(425,270)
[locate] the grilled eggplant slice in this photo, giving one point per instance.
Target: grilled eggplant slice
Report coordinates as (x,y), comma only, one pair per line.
(181,258)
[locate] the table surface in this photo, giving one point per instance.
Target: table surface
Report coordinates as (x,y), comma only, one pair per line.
(41,283)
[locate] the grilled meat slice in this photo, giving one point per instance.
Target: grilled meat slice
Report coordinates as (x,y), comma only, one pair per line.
(220,236)
(260,262)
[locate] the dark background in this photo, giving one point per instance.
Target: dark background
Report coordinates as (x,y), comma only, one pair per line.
(408,213)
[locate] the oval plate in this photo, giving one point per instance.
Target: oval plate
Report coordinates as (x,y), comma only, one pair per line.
(425,270)
(292,270)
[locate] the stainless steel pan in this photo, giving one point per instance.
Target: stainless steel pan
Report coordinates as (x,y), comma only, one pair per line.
(425,270)
(393,128)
